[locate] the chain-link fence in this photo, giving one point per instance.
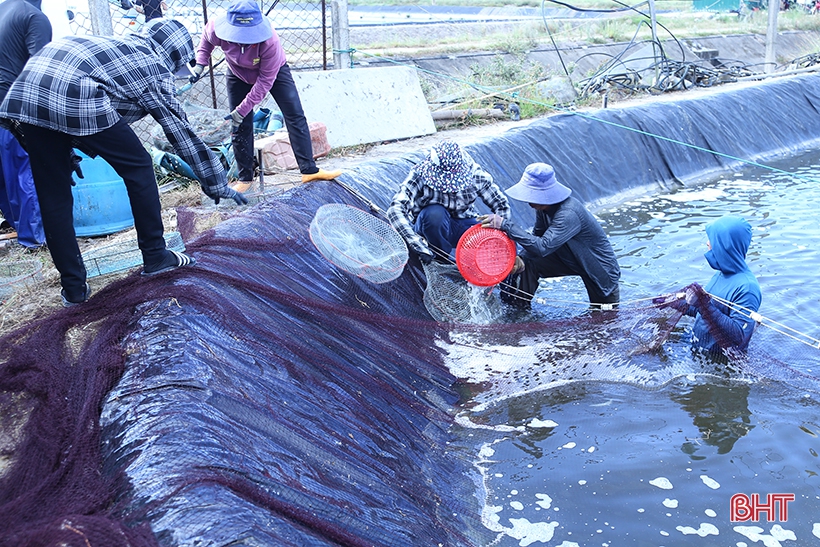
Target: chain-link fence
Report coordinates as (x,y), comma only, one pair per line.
(302,27)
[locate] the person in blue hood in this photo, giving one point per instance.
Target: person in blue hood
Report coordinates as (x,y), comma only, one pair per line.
(725,308)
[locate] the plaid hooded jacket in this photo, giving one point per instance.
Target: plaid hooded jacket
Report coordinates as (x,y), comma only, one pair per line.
(81,85)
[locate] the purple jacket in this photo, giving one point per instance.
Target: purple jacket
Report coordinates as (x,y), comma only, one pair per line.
(254,64)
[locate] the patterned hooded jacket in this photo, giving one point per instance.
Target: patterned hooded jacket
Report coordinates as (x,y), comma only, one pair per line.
(81,85)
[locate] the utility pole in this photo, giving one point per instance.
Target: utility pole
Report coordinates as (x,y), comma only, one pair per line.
(340,34)
(771,35)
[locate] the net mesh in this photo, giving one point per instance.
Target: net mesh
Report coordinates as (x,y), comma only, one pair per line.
(121,255)
(448,297)
(266,397)
(358,242)
(19,274)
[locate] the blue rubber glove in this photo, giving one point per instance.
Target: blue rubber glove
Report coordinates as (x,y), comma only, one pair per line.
(228,193)
(696,296)
(673,301)
(236,119)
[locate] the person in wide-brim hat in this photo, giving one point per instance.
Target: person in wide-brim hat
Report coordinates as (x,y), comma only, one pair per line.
(256,66)
(435,204)
(565,240)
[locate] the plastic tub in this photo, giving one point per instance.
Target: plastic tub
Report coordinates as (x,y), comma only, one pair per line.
(101,205)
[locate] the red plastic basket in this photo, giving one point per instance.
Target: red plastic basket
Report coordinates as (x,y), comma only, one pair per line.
(485,256)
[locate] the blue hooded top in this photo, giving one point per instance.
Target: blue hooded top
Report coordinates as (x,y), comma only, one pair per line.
(729,237)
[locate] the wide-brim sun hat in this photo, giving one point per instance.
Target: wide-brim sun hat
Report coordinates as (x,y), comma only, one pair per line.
(446,169)
(538,185)
(243,24)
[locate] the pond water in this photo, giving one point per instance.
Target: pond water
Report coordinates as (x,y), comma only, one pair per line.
(614,462)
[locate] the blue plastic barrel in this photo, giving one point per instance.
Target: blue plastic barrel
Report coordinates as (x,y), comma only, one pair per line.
(101,205)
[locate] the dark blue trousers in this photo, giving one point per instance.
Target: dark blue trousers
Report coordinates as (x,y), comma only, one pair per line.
(50,153)
(287,98)
(18,198)
(441,231)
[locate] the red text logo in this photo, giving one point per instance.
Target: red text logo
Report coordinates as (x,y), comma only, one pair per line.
(775,507)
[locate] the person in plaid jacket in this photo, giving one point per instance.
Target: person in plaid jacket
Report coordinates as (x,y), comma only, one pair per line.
(82,92)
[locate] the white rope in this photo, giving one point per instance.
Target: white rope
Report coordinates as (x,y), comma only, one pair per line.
(776,326)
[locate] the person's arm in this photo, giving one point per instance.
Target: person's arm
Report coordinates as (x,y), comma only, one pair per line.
(206,45)
(731,328)
(490,193)
(564,226)
(39,33)
(398,214)
(161,104)
(271,59)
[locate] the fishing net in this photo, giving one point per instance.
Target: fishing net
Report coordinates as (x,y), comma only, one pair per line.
(19,274)
(485,256)
(358,242)
(121,255)
(448,297)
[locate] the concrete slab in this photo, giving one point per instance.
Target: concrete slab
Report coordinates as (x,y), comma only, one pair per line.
(365,105)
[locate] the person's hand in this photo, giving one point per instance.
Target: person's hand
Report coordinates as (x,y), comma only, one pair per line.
(518,266)
(426,258)
(491,221)
(675,301)
(75,166)
(197,74)
(236,119)
(229,193)
(695,295)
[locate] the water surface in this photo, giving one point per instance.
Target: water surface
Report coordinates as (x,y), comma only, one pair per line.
(619,461)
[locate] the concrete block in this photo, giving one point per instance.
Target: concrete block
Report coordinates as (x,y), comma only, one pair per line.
(365,105)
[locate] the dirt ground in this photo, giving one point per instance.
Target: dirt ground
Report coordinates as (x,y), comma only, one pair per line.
(40,295)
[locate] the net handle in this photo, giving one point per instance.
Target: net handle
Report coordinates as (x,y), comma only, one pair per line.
(355,193)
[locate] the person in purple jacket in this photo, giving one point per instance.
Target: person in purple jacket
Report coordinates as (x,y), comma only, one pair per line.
(256,66)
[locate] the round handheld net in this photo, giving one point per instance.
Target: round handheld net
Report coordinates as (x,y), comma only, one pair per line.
(485,256)
(358,242)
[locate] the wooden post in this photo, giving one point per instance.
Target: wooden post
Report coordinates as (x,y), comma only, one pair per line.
(656,45)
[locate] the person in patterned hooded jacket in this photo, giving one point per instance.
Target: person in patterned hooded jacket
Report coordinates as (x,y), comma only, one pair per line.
(435,204)
(82,92)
